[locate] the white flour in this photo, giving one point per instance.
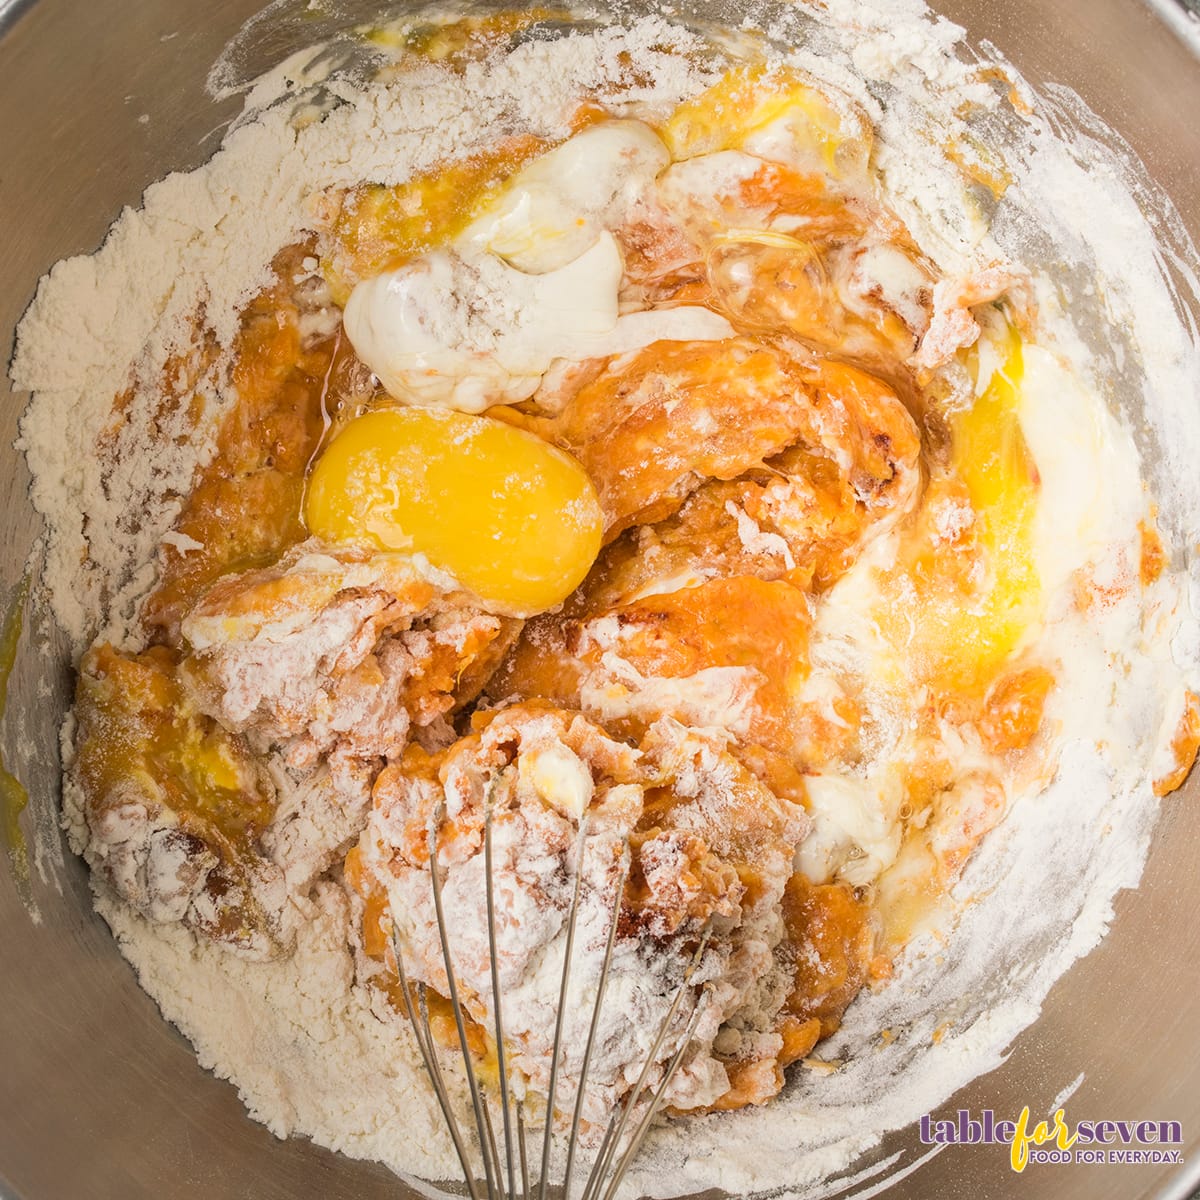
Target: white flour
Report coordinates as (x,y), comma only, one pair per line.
(304,1050)
(303,1046)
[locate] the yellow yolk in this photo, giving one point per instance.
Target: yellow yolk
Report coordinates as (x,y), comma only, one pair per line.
(750,101)
(465,40)
(511,517)
(137,725)
(379,228)
(958,610)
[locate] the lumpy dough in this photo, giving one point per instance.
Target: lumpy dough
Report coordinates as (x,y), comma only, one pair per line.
(803,674)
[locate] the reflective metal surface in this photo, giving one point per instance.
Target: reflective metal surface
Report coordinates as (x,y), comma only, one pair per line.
(98,1096)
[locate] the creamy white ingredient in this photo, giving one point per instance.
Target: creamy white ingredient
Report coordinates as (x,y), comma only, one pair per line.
(552,210)
(470,331)
(856,827)
(464,330)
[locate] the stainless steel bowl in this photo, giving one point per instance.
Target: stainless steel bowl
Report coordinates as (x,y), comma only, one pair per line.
(99,1097)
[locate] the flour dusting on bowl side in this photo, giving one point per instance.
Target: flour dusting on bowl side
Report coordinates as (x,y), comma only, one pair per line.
(311,1049)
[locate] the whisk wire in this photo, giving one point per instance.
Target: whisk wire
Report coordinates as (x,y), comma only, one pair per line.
(499,1191)
(424,1038)
(597,1006)
(455,1005)
(501,1056)
(639,1135)
(556,1046)
(614,1155)
(596,1175)
(526,1194)
(604,1160)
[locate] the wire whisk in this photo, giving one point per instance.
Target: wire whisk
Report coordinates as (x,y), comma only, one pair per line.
(507,1170)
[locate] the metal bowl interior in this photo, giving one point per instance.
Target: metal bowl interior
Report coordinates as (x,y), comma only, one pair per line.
(100,1097)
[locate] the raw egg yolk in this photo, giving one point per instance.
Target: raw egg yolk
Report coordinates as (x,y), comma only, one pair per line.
(959,625)
(512,518)
(750,98)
